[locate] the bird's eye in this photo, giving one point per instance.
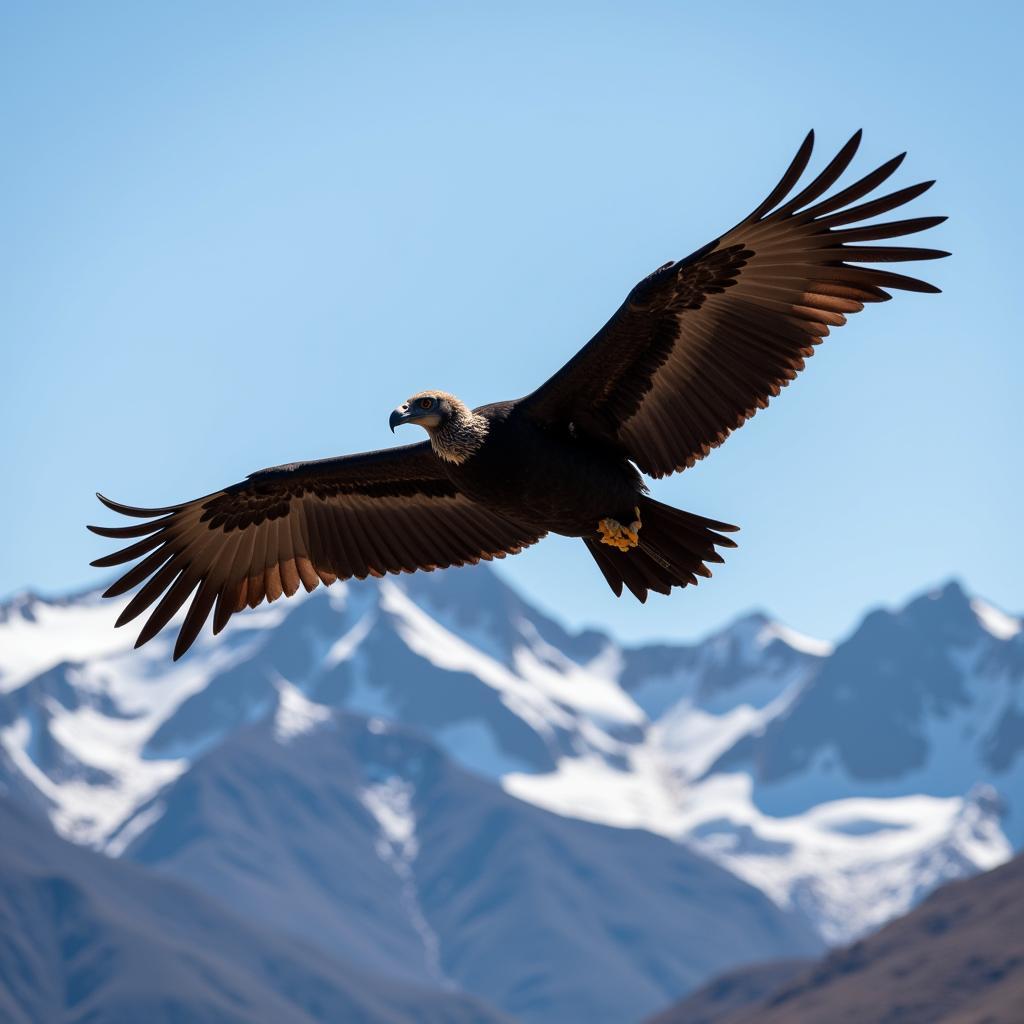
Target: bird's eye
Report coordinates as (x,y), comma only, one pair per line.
(425,403)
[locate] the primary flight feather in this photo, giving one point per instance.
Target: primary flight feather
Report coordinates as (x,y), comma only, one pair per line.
(695,350)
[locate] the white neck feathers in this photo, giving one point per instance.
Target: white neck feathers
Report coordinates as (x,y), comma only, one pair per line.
(462,436)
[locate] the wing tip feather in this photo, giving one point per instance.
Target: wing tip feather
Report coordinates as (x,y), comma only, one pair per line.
(135,511)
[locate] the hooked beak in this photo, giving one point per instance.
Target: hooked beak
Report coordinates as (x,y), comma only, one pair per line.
(399,416)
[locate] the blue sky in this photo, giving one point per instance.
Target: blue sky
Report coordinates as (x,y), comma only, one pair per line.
(239,233)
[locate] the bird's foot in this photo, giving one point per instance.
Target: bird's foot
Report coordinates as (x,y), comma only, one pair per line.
(618,536)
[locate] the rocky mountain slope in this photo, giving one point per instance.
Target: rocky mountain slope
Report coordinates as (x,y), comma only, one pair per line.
(87,938)
(957,959)
(366,840)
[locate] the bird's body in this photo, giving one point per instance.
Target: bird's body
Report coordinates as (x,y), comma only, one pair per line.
(695,350)
(554,481)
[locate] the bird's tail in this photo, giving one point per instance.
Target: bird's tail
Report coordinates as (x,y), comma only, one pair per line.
(674,545)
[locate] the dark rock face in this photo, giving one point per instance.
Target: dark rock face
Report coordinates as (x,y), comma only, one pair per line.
(1006,741)
(873,701)
(478,602)
(90,939)
(877,690)
(433,697)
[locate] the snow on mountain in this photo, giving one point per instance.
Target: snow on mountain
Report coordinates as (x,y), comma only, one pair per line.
(925,700)
(749,663)
(78,707)
(847,783)
(844,782)
(96,727)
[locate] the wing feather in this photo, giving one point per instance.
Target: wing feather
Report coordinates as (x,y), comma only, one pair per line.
(300,525)
(700,345)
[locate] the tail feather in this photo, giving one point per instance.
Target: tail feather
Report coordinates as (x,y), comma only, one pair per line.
(674,547)
(604,563)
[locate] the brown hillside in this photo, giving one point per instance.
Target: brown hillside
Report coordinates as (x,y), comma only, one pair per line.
(957,959)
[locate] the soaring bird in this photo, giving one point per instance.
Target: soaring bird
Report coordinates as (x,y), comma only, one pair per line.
(695,350)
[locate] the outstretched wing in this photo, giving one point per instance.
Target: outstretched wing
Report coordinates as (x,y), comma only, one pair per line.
(360,515)
(702,344)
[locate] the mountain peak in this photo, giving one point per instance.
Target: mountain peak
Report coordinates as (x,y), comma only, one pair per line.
(950,597)
(21,605)
(469,585)
(757,630)
(953,612)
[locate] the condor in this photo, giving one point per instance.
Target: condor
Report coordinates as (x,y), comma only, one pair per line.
(695,350)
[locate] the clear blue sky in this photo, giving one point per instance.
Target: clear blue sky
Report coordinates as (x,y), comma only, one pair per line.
(237,234)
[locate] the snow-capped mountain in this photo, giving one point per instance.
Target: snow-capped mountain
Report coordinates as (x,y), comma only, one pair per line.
(843,783)
(96,728)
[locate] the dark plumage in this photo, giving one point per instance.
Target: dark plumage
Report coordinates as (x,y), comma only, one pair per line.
(696,349)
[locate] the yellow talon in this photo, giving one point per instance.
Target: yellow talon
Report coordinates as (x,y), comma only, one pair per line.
(615,535)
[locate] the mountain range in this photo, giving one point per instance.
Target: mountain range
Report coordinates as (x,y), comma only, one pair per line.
(428,779)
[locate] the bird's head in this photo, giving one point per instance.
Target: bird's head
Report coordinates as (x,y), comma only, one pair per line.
(430,410)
